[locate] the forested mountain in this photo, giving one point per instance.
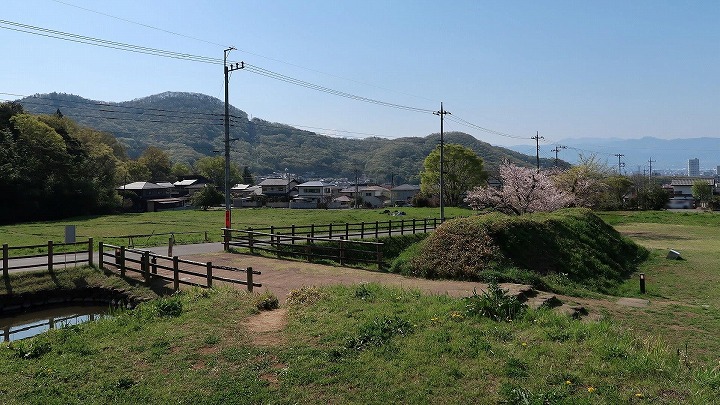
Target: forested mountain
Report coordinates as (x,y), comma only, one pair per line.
(188,126)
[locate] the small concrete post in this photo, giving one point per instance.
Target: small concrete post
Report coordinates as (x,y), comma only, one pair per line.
(642,283)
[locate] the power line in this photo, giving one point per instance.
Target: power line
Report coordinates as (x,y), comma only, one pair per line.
(30,29)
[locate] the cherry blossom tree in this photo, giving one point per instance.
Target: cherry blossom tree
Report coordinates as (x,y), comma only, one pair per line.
(523,190)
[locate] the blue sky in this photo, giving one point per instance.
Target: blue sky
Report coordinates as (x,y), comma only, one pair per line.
(567,69)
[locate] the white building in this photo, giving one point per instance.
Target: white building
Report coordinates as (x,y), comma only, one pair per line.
(693,167)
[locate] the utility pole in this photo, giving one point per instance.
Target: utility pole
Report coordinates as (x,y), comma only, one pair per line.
(227,70)
(557,149)
(537,139)
(651,162)
(392,185)
(442,113)
(619,155)
(357,191)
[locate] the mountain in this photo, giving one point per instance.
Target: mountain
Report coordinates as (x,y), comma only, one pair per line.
(190,125)
(668,155)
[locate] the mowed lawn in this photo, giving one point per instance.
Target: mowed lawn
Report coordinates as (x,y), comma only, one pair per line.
(684,295)
(109,228)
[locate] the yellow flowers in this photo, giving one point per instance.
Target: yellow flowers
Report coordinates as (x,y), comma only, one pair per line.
(456,315)
(524,344)
(591,389)
(568,382)
(639,395)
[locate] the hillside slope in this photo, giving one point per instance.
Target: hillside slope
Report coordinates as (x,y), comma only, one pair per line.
(189,126)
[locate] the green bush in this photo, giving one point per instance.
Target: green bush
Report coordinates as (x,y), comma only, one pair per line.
(266,301)
(542,249)
(495,303)
(168,307)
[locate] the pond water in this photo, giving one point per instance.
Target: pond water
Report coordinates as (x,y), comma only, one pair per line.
(29,324)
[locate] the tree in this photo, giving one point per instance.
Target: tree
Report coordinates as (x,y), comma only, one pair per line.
(247,177)
(157,162)
(463,171)
(523,190)
(585,181)
(617,188)
(179,170)
(207,196)
(213,168)
(702,191)
(135,170)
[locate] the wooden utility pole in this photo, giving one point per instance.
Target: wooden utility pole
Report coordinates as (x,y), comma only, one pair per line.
(442,113)
(537,139)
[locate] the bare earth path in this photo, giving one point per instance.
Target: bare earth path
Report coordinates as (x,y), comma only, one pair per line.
(282,276)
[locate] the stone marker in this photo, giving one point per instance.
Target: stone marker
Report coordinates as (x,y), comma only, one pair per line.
(673,255)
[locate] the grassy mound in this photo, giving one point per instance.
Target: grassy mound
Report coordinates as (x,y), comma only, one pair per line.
(549,250)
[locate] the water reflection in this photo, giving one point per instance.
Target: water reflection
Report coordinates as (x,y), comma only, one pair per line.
(29,324)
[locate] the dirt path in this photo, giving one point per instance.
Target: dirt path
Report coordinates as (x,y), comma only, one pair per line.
(282,276)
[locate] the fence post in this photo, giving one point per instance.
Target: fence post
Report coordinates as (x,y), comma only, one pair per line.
(209,274)
(434,223)
(347,230)
(377,225)
(90,251)
(362,230)
(308,249)
(226,239)
(389,227)
(145,266)
(101,252)
(250,240)
(378,256)
(171,241)
(272,236)
(5,259)
(250,279)
(122,261)
(293,234)
(424,225)
(342,252)
(206,239)
(154,265)
(330,231)
(176,273)
(402,227)
(413,226)
(50,255)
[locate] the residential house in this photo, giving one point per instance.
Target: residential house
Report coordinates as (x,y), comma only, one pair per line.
(371,196)
(404,194)
(189,185)
(245,195)
(146,196)
(682,191)
(315,194)
(279,192)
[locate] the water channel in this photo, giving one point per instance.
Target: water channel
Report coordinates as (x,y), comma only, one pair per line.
(25,325)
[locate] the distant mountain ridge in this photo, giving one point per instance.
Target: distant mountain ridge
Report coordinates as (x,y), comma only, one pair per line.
(667,154)
(191,125)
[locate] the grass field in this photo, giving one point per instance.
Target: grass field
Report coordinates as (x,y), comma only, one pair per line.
(684,295)
(370,344)
(108,228)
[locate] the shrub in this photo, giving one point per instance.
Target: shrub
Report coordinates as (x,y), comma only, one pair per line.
(31,348)
(495,303)
(304,295)
(266,301)
(168,307)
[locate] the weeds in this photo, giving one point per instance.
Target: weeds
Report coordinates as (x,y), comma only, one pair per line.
(266,301)
(495,303)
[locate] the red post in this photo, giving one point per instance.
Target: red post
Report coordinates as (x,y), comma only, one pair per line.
(227,219)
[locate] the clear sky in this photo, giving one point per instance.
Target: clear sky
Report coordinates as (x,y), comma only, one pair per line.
(567,69)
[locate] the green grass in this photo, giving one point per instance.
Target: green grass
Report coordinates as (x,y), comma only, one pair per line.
(355,344)
(566,251)
(107,228)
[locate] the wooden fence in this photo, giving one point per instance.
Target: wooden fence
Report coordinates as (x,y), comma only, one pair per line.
(131,239)
(53,256)
(148,265)
(360,230)
(310,248)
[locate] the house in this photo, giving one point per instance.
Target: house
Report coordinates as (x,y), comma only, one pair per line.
(371,196)
(315,194)
(404,194)
(278,191)
(146,196)
(244,195)
(682,196)
(188,185)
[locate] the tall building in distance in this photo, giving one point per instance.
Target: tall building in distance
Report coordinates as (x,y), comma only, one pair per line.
(694,167)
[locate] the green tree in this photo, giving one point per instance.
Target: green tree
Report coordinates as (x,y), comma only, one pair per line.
(207,196)
(157,162)
(213,168)
(617,188)
(179,170)
(702,191)
(136,171)
(247,177)
(463,172)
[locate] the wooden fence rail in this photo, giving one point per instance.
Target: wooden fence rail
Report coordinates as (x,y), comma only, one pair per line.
(147,264)
(131,238)
(341,250)
(360,230)
(53,256)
